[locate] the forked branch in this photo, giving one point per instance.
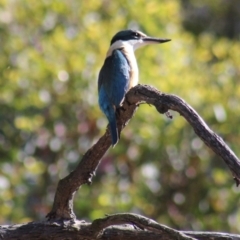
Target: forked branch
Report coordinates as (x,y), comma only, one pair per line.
(63,202)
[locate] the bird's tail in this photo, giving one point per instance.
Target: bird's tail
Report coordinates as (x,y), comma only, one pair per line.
(113,125)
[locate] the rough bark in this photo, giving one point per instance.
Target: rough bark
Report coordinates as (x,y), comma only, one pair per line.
(62,223)
(62,206)
(115,227)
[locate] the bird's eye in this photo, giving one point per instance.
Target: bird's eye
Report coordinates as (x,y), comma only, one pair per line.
(137,35)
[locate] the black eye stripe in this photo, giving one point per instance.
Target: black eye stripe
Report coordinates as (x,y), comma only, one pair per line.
(126,35)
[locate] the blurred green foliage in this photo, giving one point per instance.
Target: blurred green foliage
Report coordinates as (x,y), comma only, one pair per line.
(50,56)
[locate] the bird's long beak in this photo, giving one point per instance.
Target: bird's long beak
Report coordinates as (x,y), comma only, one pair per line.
(152,40)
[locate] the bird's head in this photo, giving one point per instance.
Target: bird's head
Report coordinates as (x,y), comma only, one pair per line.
(135,39)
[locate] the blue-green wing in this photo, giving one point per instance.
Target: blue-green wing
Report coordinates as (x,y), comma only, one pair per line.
(114,77)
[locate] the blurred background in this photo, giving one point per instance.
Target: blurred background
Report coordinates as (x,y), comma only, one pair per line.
(50,56)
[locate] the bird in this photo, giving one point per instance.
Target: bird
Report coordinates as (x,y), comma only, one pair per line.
(119,73)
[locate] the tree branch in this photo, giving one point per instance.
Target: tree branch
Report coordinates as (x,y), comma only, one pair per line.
(121,226)
(139,221)
(163,102)
(115,227)
(62,207)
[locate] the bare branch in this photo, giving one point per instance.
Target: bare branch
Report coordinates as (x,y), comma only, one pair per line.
(164,102)
(115,227)
(139,221)
(62,207)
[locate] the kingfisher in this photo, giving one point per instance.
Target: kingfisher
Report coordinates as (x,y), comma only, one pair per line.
(119,73)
